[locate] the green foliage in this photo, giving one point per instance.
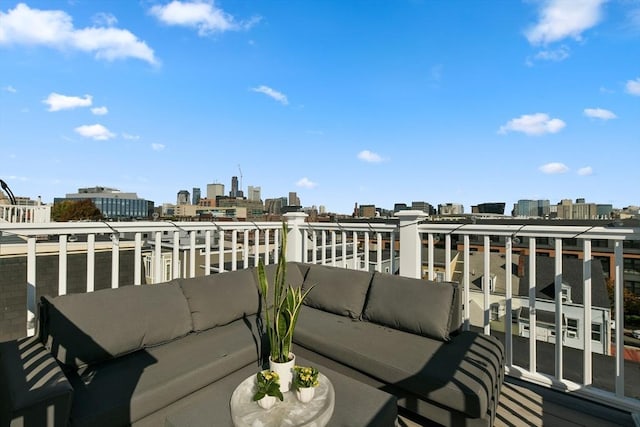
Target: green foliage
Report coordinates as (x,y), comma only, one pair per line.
(267,384)
(74,210)
(282,315)
(305,376)
(631,301)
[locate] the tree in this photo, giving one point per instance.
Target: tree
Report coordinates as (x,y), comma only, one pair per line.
(631,304)
(74,210)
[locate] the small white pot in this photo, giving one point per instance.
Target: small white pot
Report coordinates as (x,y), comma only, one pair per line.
(267,402)
(284,371)
(305,394)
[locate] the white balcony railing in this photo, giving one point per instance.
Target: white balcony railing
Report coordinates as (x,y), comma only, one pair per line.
(196,248)
(25,214)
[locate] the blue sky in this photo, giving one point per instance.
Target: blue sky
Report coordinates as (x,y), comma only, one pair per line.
(369,101)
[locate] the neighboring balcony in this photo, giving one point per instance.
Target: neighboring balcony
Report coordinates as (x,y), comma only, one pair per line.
(60,258)
(25,214)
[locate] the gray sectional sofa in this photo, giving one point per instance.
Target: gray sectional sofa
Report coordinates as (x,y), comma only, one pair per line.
(128,356)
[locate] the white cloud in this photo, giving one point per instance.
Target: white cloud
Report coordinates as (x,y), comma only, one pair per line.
(306,183)
(103,19)
(559,19)
(533,124)
(97,132)
(554,168)
(130,137)
(100,111)
(556,55)
(599,113)
(157,147)
(54,28)
(201,15)
(369,156)
(57,102)
(10,89)
(585,171)
(633,87)
(278,96)
(17,178)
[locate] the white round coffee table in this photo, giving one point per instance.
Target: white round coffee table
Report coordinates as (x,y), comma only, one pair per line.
(290,412)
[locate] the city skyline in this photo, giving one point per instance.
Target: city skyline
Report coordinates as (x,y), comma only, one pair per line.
(367,102)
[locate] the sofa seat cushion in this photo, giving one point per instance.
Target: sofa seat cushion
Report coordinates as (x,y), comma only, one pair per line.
(127,389)
(411,305)
(81,329)
(337,290)
(461,374)
(219,299)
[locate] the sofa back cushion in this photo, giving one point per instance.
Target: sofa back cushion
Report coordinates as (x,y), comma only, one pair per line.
(337,290)
(456,324)
(81,329)
(412,305)
(221,298)
(296,271)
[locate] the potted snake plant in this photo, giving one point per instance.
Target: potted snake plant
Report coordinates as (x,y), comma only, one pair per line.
(281,315)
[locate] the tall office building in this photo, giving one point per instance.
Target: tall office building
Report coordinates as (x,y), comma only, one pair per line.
(578,210)
(423,206)
(183,197)
(236,191)
(367,211)
(489,208)
(254,193)
(112,203)
(214,190)
(196,194)
(294,200)
(274,206)
(533,208)
(450,209)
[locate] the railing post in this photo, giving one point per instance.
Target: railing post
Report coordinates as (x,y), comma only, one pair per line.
(410,243)
(295,244)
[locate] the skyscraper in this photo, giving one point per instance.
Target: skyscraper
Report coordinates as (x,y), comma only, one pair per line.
(214,190)
(294,200)
(254,193)
(183,197)
(235,191)
(195,196)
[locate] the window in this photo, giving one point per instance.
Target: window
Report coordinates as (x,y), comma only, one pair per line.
(495,311)
(596,332)
(632,286)
(600,243)
(572,328)
(167,270)
(635,244)
(632,265)
(566,293)
(570,242)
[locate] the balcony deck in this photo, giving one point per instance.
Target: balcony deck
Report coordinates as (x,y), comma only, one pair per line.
(525,404)
(108,249)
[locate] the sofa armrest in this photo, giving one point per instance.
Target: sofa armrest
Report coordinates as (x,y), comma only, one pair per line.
(33,389)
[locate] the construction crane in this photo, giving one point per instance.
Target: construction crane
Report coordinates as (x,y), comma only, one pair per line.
(240,170)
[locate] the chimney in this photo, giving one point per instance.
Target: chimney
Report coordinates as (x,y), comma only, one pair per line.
(521,265)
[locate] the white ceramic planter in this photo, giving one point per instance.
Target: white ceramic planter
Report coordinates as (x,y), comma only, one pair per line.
(284,371)
(305,394)
(267,402)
